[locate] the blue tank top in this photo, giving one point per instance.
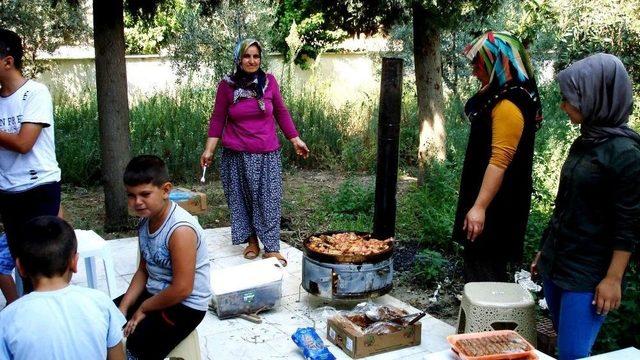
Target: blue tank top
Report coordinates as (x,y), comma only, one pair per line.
(155,251)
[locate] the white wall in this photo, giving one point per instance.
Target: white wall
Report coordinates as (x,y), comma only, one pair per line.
(347,77)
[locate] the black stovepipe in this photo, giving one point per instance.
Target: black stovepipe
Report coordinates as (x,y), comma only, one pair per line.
(384,216)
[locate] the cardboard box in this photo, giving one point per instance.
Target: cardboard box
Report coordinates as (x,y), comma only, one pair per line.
(192,201)
(358,346)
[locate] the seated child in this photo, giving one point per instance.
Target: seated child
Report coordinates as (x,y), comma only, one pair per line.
(57,320)
(7,264)
(7,286)
(169,293)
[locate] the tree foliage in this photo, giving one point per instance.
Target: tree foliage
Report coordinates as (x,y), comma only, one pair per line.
(44,26)
(323,24)
(206,40)
(590,26)
(146,34)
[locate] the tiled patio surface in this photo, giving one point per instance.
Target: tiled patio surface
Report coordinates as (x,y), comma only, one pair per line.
(239,339)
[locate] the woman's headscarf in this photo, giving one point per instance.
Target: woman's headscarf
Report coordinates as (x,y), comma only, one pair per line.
(599,86)
(247,85)
(502,56)
(508,65)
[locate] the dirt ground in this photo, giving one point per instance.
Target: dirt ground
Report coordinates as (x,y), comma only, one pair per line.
(304,193)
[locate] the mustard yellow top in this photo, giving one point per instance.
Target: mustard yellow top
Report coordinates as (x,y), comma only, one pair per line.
(507,125)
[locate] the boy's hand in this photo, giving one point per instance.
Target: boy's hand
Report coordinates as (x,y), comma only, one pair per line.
(123,310)
(137,317)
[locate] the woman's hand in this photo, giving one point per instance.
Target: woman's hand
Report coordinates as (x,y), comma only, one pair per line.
(137,317)
(608,294)
(206,158)
(534,264)
(123,309)
(209,149)
(474,222)
(300,147)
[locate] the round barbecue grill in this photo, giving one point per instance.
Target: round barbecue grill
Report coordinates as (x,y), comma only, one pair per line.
(357,277)
(347,276)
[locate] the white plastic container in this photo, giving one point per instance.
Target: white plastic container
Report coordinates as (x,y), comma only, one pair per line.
(246,288)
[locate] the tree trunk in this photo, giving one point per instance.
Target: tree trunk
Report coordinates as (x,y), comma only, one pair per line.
(113,107)
(428,67)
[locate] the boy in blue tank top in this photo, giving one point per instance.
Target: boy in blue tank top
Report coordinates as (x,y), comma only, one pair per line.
(169,293)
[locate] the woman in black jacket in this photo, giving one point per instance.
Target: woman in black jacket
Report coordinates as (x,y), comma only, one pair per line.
(596,221)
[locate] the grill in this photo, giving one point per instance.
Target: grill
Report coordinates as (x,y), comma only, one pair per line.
(366,276)
(346,277)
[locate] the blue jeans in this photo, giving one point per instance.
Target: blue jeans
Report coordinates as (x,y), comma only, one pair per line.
(575,320)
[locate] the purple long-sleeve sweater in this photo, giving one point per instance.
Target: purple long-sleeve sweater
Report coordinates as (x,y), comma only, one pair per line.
(243,126)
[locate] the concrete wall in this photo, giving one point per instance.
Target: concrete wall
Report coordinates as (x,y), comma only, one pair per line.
(347,77)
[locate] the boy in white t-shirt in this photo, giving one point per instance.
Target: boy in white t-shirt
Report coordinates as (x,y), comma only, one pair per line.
(57,320)
(29,172)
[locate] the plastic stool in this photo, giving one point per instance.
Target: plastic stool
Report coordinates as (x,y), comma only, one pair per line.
(488,306)
(90,246)
(188,349)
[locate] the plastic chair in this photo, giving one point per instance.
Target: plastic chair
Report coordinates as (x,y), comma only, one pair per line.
(90,246)
(188,349)
(488,306)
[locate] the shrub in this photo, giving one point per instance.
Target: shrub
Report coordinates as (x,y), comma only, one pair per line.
(78,141)
(430,266)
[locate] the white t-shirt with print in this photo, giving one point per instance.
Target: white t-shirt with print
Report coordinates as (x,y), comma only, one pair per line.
(71,323)
(31,103)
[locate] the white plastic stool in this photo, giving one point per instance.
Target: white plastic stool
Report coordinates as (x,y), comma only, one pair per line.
(188,349)
(90,246)
(488,306)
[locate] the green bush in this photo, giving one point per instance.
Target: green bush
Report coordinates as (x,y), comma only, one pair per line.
(430,266)
(352,199)
(349,209)
(320,126)
(78,141)
(172,126)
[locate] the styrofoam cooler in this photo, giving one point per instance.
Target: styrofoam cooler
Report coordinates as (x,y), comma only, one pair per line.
(246,288)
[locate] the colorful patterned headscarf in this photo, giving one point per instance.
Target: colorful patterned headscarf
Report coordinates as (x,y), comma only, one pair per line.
(247,85)
(511,75)
(502,56)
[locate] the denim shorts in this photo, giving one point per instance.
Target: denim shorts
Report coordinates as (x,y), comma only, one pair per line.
(6,261)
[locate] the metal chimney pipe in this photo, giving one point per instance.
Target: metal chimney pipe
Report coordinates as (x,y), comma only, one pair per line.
(384,216)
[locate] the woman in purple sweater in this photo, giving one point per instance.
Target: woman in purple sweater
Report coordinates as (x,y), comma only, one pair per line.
(248,105)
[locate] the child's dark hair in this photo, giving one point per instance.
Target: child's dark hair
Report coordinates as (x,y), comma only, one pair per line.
(11,45)
(145,169)
(45,246)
